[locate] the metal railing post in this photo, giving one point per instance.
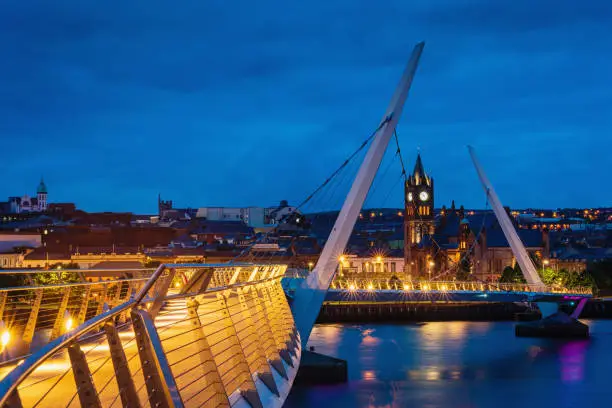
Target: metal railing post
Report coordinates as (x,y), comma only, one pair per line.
(83,308)
(28,332)
(125,382)
(86,390)
(103,299)
(13,401)
(207,361)
(3,296)
(59,319)
(160,293)
(159,380)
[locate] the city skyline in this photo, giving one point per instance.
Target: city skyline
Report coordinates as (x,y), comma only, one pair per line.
(112,105)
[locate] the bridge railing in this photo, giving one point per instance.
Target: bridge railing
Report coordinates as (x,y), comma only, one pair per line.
(38,306)
(212,337)
(450,286)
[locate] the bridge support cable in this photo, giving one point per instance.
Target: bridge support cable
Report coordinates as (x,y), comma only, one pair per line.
(518,249)
(309,297)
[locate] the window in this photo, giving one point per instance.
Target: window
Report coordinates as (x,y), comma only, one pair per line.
(392,267)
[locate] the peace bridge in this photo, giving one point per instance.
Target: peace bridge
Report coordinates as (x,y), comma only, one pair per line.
(221,335)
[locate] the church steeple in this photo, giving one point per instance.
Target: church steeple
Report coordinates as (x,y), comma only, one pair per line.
(42,188)
(418,176)
(419,218)
(41,195)
(418,167)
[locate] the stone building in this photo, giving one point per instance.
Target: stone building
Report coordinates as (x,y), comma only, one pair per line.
(437,245)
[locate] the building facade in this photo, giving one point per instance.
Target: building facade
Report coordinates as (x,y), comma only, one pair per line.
(439,246)
(418,219)
(27,203)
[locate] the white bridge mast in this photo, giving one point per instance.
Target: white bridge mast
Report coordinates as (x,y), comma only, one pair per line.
(309,297)
(518,249)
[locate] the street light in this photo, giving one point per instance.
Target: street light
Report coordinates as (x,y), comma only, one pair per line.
(5,337)
(69,324)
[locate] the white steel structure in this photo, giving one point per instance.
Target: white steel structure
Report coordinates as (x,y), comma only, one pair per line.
(309,297)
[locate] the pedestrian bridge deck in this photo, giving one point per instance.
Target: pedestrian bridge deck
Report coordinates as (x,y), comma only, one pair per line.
(384,290)
(225,338)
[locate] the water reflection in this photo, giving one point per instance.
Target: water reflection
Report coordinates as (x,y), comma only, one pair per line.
(369,339)
(460,364)
(443,332)
(572,356)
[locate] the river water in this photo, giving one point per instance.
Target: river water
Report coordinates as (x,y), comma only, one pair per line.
(461,364)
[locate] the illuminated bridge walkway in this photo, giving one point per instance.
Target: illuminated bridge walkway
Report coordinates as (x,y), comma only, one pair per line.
(385,291)
(188,335)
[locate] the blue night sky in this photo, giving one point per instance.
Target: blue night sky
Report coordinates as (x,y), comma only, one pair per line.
(247,103)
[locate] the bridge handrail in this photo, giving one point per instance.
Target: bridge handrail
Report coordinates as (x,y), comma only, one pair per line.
(10,383)
(13,379)
(89,270)
(67,285)
(377,282)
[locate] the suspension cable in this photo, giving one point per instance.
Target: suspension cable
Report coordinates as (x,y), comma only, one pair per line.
(320,187)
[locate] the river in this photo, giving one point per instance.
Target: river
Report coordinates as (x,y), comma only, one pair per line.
(463,365)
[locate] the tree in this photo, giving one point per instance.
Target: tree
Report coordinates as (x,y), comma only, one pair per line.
(512,275)
(464,269)
(601,273)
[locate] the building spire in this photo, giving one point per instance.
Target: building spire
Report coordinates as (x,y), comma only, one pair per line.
(418,167)
(42,188)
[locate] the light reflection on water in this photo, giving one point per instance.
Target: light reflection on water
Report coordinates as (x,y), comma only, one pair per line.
(460,364)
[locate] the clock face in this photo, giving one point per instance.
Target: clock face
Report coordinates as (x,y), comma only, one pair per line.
(409,196)
(424,196)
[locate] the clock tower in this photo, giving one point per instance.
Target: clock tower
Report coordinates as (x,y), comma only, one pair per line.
(418,219)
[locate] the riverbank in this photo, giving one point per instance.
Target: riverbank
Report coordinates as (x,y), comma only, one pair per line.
(347,312)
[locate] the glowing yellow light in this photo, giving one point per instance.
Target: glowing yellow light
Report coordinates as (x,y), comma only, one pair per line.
(431,263)
(5,337)
(351,287)
(425,287)
(444,288)
(379,259)
(341,259)
(370,286)
(177,285)
(310,264)
(69,324)
(406,287)
(546,262)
